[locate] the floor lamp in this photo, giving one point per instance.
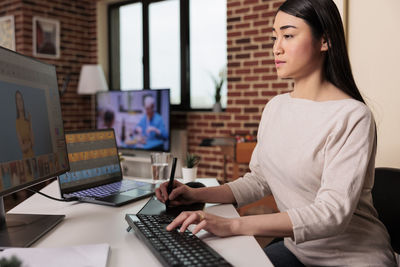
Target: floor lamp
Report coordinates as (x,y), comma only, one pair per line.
(91,81)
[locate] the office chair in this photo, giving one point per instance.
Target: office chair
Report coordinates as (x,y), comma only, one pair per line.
(386,198)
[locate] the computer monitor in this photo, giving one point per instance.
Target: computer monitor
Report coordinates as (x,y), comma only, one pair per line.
(32,141)
(140,118)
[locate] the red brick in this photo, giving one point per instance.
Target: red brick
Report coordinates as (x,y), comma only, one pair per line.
(242,71)
(234,34)
(241,56)
(234,49)
(251,110)
(210,117)
(269,77)
(251,32)
(250,63)
(242,86)
(268,14)
(202,124)
(268,62)
(261,85)
(242,102)
(225,132)
(251,93)
(251,78)
(260,7)
(242,25)
(277,4)
(224,117)
(247,2)
(233,110)
(261,70)
(231,4)
(251,47)
(232,94)
(234,124)
(242,10)
(269,93)
(251,17)
(242,117)
(260,23)
(260,101)
(280,85)
(262,39)
(267,30)
(233,19)
(233,64)
(243,41)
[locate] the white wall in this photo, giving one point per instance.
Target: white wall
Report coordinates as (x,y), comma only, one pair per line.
(374,47)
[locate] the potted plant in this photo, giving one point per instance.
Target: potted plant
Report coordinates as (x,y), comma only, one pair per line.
(218,83)
(189,172)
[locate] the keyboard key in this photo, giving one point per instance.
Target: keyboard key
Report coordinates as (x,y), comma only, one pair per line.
(174,248)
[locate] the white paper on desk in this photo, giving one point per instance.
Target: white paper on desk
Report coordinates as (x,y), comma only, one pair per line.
(79,256)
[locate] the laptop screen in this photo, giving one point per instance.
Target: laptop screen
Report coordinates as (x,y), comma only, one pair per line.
(93,158)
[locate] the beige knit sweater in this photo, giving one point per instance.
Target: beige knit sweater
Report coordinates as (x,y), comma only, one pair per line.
(317,159)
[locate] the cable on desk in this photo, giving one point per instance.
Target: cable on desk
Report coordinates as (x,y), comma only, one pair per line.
(53,198)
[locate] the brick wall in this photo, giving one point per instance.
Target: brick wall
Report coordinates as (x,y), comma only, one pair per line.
(77,46)
(252,81)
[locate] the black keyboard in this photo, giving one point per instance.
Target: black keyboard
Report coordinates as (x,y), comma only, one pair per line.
(173,248)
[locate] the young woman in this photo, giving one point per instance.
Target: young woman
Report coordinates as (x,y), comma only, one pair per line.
(23,126)
(315,154)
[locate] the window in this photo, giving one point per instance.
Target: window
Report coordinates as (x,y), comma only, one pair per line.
(208,51)
(131,46)
(165,47)
(176,44)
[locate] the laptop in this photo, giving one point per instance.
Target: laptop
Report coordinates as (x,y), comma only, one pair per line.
(95,173)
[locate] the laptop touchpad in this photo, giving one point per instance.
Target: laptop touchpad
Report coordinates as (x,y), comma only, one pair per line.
(134,193)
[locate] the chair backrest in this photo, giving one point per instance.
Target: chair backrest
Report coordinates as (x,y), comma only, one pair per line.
(386,198)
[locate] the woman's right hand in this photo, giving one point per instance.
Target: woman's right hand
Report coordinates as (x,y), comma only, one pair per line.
(181,194)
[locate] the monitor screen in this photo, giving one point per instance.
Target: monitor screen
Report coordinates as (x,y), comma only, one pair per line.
(32,141)
(140,118)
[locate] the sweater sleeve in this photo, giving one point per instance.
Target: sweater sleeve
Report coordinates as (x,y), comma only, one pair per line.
(348,152)
(252,186)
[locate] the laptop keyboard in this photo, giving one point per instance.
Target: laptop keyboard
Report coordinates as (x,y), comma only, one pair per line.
(173,248)
(107,189)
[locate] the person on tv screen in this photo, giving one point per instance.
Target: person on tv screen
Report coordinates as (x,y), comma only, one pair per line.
(151,126)
(23,126)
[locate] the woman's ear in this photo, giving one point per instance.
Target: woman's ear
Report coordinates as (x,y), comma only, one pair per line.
(324,44)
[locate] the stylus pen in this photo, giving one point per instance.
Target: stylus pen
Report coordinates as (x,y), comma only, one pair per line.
(170,185)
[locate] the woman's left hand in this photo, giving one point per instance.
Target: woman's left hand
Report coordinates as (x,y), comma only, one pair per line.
(214,224)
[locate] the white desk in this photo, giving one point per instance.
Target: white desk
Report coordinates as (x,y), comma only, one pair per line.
(90,224)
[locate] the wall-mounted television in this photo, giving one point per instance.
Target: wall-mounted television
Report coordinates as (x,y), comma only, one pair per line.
(140,118)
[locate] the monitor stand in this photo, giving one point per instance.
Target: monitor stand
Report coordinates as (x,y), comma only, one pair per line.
(22,230)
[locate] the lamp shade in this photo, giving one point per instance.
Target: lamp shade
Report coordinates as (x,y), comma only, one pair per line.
(91,80)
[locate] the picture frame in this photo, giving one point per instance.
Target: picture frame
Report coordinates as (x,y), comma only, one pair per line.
(7,32)
(46,37)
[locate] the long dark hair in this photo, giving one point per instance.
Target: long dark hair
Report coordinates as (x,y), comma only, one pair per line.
(324,19)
